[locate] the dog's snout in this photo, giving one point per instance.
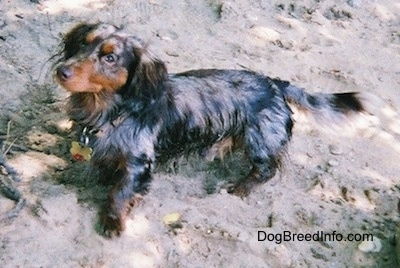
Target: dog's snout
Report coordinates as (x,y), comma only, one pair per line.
(64,73)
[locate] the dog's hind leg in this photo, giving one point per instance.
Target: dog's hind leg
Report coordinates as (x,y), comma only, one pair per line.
(265,141)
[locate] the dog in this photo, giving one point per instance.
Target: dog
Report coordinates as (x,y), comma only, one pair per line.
(135,114)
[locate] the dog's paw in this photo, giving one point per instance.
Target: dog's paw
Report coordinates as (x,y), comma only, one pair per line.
(241,189)
(111,225)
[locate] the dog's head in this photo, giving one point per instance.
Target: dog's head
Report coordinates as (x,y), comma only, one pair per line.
(101,58)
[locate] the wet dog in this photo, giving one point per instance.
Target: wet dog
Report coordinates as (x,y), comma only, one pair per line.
(135,114)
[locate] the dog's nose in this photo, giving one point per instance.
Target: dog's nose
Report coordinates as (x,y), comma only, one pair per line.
(64,73)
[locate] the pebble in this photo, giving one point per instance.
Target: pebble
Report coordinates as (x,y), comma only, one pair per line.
(333,163)
(335,150)
(370,246)
(171,218)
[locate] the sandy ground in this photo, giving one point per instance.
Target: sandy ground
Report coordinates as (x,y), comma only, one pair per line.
(345,181)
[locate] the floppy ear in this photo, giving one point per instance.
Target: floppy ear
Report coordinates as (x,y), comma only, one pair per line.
(150,73)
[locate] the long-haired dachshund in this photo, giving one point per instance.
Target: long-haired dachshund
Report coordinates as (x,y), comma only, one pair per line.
(134,114)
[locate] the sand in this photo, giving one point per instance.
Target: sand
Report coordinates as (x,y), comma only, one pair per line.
(339,182)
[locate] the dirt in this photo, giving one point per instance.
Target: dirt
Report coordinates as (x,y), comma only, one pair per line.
(344,181)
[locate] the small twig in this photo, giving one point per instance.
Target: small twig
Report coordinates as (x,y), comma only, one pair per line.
(9,147)
(9,191)
(7,188)
(244,67)
(8,170)
(8,127)
(8,132)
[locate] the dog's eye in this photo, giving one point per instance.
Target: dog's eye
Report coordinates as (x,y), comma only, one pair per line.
(110,58)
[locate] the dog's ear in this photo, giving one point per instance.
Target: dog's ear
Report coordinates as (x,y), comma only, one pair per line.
(150,72)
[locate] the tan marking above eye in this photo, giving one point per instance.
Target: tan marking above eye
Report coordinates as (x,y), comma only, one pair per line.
(91,37)
(108,48)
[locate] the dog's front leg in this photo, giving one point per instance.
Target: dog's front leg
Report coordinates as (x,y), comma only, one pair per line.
(125,194)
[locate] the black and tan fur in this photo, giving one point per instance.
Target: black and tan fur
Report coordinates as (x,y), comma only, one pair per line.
(140,114)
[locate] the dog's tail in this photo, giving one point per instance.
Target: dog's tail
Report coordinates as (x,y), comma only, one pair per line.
(323,107)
